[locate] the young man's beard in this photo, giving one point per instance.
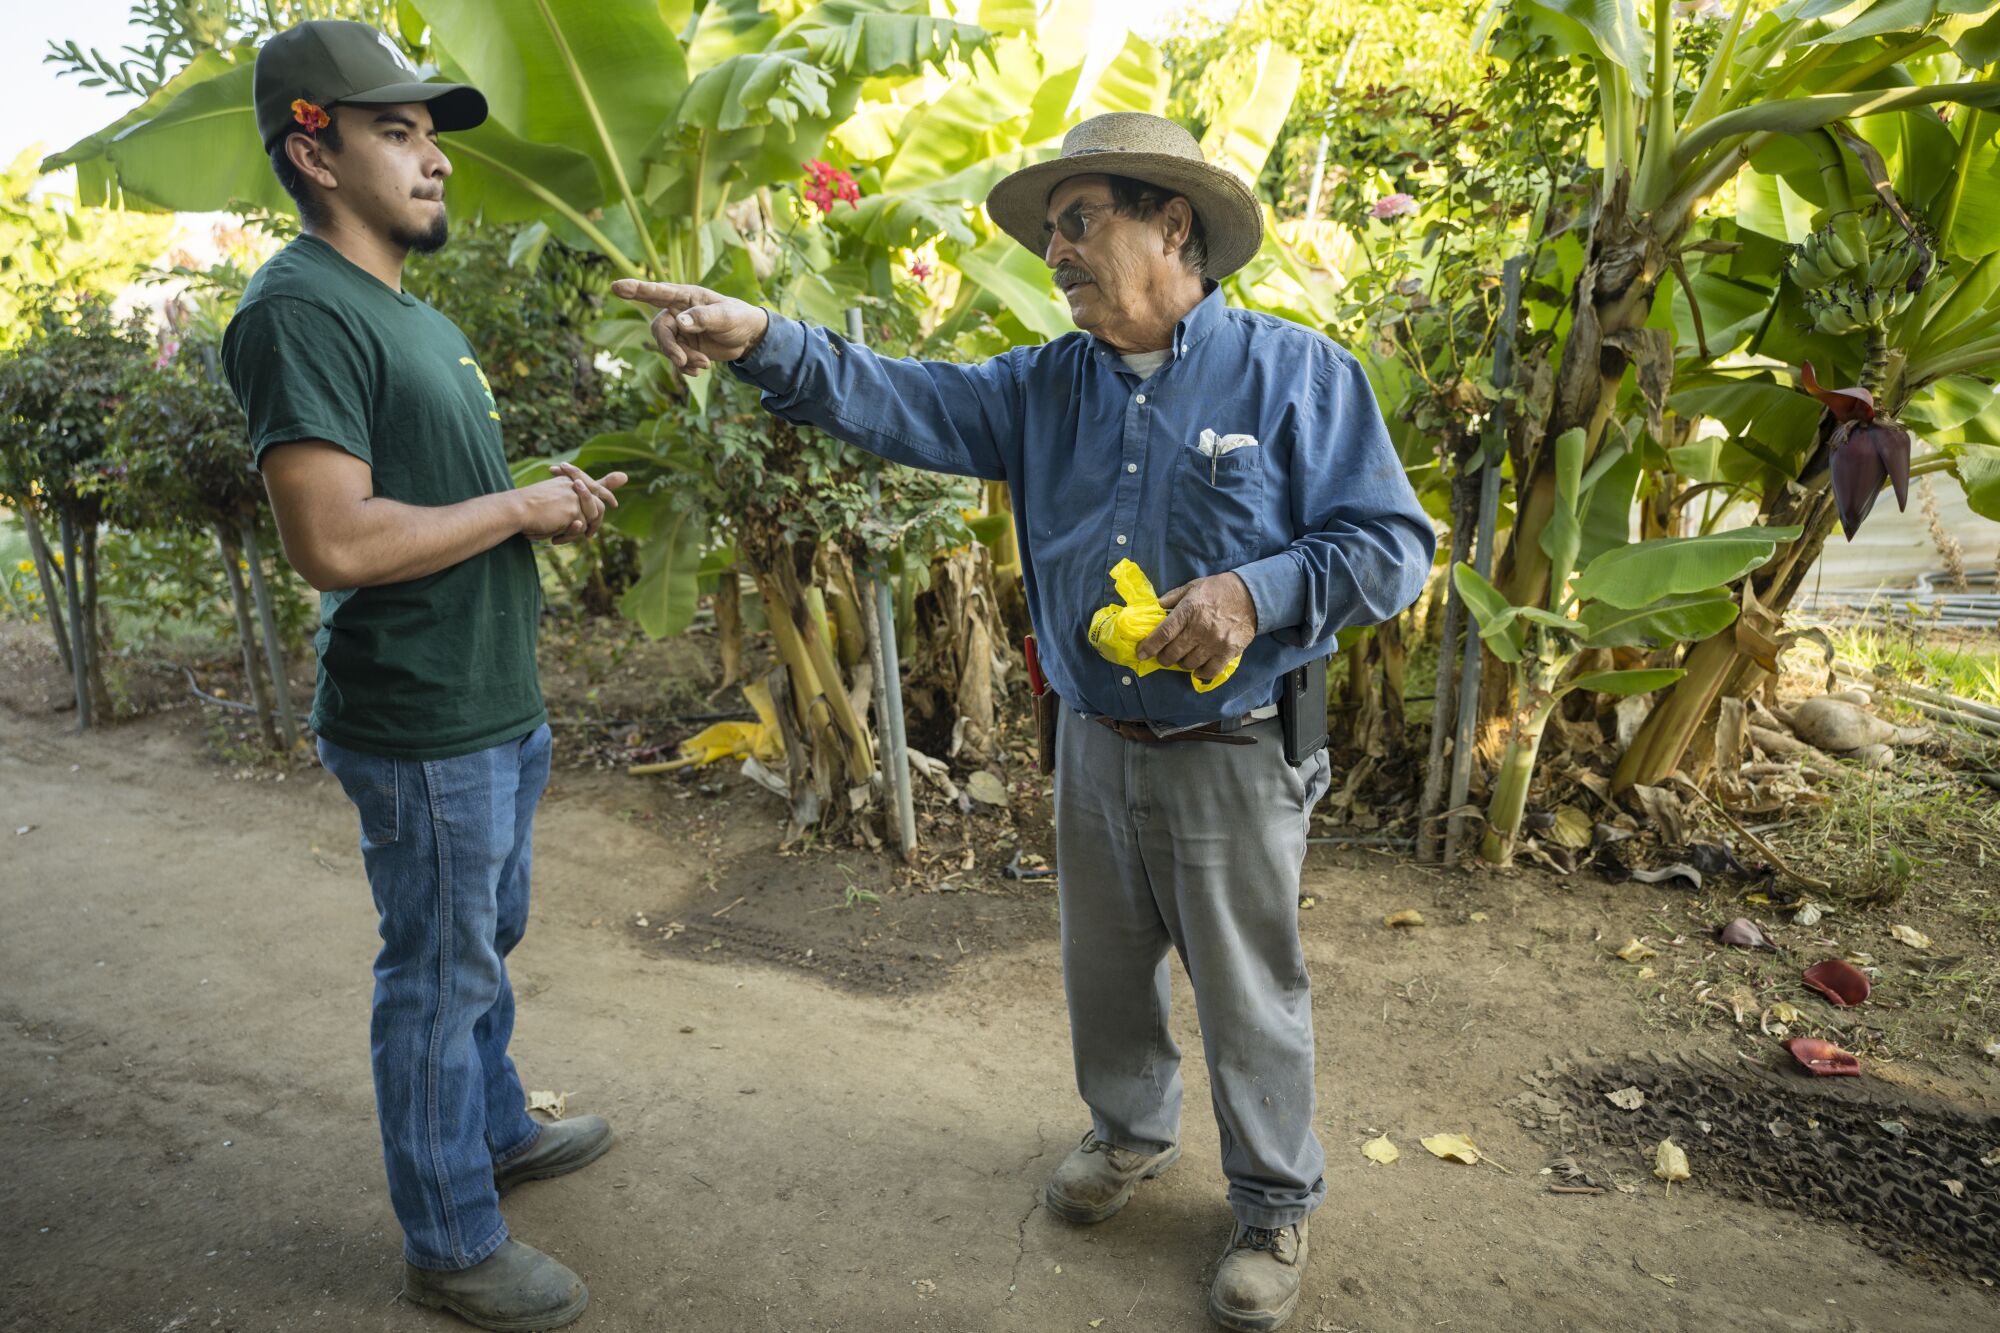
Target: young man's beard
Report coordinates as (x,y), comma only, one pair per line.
(424,240)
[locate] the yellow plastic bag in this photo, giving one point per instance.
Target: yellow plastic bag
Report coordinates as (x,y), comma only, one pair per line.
(739,740)
(1117,631)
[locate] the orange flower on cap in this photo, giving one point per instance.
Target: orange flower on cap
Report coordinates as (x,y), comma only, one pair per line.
(310,115)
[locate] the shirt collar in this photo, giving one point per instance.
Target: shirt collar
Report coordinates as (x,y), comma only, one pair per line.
(1197,324)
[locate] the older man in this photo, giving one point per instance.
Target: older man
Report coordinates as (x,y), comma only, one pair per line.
(1240,461)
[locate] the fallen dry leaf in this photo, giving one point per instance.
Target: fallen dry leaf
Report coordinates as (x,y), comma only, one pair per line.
(1626,1099)
(1957,1188)
(1477,916)
(1916,939)
(554,1103)
(1670,1163)
(1453,1148)
(1097,1323)
(1380,1151)
(1784,1013)
(1991,1159)
(1647,973)
(1635,952)
(1409,916)
(1571,828)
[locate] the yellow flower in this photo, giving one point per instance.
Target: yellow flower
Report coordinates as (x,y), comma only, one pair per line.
(26,566)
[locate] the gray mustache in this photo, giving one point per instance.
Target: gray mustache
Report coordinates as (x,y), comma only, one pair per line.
(1066,274)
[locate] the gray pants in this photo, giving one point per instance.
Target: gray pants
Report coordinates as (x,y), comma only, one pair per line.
(1197,846)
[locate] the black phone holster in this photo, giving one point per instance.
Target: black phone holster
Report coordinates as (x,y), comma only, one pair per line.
(1302,711)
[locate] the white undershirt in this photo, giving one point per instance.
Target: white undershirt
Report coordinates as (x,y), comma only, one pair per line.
(1143,364)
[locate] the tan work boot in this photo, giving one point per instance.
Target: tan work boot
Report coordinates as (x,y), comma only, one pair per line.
(1096,1179)
(515,1289)
(1257,1287)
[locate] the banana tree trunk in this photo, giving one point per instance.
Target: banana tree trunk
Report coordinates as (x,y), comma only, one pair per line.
(728,602)
(1510,786)
(1610,304)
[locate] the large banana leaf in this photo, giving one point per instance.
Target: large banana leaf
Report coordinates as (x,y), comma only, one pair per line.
(1633,577)
(1497,619)
(198,151)
(97,179)
(1020,282)
(503,178)
(662,601)
(1978,469)
(1243,134)
(600,76)
(1676,620)
(880,37)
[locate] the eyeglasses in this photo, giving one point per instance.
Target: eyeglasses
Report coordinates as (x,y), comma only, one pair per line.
(1073,222)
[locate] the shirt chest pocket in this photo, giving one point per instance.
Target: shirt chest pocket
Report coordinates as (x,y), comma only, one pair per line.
(1218,507)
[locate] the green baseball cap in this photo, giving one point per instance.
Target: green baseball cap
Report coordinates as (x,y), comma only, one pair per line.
(330,61)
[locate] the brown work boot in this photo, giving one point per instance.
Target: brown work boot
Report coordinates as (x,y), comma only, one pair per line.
(1257,1287)
(1096,1179)
(515,1289)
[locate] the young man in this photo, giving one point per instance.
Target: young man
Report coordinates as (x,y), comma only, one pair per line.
(379,442)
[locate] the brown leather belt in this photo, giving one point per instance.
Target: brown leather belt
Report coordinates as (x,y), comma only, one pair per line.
(1211,732)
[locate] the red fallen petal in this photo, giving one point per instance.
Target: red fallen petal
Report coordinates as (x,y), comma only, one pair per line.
(1892,444)
(1822,1057)
(1855,404)
(1839,980)
(1858,471)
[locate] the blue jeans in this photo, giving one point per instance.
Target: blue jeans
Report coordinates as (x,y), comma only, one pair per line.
(447,844)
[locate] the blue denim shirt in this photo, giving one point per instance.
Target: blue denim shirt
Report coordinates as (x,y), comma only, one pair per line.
(1317,516)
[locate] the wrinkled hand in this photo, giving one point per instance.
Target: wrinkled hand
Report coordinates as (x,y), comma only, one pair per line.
(697,327)
(593,495)
(1212,621)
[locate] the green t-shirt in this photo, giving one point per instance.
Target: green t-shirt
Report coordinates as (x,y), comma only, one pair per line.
(442,665)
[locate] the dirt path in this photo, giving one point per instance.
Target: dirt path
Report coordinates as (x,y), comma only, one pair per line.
(183,1007)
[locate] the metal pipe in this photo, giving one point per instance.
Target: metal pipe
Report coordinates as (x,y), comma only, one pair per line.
(1482,559)
(889,674)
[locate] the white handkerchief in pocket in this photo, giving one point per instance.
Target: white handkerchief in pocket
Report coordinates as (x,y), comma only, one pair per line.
(1215,446)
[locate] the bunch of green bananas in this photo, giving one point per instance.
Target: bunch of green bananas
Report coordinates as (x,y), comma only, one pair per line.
(1856,271)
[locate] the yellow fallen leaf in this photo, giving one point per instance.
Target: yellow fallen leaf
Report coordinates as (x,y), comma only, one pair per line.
(1571,828)
(1380,1151)
(1784,1013)
(1409,916)
(1096,1323)
(1647,974)
(1670,1163)
(1453,1148)
(1957,1188)
(1307,902)
(1477,916)
(554,1103)
(1916,939)
(1635,952)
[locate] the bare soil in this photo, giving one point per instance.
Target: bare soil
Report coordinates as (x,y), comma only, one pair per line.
(839,1084)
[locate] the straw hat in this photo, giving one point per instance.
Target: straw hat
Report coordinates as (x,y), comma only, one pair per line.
(1148,148)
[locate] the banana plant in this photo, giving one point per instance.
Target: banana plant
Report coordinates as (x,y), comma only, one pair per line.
(1645,595)
(1787,71)
(1890,281)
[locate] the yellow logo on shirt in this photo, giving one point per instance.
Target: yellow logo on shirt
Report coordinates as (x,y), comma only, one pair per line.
(494,409)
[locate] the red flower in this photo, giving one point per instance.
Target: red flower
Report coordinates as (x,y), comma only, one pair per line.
(825,184)
(310,116)
(919,269)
